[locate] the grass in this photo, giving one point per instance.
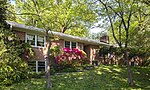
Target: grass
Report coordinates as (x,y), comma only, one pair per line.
(101,78)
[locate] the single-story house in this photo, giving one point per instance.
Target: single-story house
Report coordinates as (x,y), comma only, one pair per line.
(36,37)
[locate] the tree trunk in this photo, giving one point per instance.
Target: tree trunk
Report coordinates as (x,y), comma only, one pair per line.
(130,79)
(48,80)
(105,62)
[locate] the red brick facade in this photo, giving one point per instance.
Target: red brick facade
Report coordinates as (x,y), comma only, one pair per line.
(40,52)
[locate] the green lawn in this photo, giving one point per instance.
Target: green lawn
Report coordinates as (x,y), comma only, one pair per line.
(101,78)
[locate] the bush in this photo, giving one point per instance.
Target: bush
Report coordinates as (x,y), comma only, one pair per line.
(37,74)
(147,62)
(70,58)
(13,69)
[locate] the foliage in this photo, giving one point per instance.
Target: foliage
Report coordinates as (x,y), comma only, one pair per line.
(104,51)
(141,53)
(36,74)
(27,52)
(101,78)
(55,51)
(70,58)
(12,67)
(147,62)
(58,15)
(139,28)
(119,15)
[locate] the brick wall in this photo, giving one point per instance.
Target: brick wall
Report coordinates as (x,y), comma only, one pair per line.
(20,35)
(80,46)
(59,43)
(40,52)
(91,52)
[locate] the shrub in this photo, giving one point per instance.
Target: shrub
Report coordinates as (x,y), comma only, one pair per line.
(147,62)
(12,69)
(70,58)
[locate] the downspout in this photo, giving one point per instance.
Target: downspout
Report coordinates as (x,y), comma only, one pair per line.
(11,27)
(10,38)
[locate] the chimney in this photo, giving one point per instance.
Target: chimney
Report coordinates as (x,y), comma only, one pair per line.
(104,38)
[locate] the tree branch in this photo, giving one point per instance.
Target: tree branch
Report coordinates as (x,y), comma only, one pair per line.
(112,26)
(120,28)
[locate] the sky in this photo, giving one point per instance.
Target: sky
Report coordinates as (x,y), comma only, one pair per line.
(96,30)
(12,2)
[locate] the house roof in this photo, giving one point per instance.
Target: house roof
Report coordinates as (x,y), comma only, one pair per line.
(86,41)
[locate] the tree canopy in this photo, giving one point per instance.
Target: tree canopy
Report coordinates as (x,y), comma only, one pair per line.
(60,15)
(128,24)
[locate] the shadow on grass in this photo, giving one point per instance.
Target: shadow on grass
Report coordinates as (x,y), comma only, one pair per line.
(104,77)
(101,78)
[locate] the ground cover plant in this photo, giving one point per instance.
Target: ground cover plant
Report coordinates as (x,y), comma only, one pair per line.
(101,78)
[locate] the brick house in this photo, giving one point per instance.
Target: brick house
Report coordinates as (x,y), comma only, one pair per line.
(36,37)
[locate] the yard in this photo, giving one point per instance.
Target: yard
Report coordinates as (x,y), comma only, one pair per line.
(100,78)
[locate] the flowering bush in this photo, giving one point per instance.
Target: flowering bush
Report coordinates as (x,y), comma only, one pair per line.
(71,57)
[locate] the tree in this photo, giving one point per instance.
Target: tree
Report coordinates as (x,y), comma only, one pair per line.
(56,15)
(60,15)
(119,13)
(139,30)
(47,30)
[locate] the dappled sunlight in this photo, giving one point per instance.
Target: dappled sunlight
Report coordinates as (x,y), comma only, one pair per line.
(116,74)
(107,69)
(120,79)
(80,78)
(148,87)
(61,85)
(98,72)
(98,79)
(118,70)
(137,72)
(36,83)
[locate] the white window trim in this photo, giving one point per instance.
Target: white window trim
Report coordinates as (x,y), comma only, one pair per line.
(38,66)
(26,38)
(70,44)
(77,45)
(36,40)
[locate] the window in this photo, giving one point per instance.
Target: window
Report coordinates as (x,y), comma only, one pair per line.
(37,66)
(67,44)
(70,44)
(41,66)
(35,40)
(31,39)
(73,44)
(32,64)
(40,41)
